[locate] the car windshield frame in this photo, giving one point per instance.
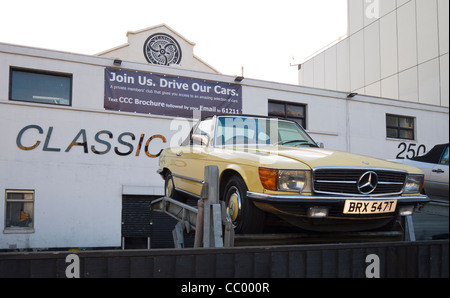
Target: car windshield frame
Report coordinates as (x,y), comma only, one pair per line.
(202,139)
(284,133)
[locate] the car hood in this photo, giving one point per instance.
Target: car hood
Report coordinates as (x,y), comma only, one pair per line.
(278,156)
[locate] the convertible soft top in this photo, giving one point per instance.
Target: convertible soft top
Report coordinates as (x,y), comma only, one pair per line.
(433,156)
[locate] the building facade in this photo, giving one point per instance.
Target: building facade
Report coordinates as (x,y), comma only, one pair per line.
(81,135)
(395,49)
(162,45)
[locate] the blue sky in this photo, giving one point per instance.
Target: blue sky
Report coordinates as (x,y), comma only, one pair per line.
(264,37)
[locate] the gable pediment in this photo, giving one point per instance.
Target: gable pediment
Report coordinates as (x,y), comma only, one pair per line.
(159,45)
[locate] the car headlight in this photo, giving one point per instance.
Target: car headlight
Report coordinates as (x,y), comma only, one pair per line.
(413,184)
(286,180)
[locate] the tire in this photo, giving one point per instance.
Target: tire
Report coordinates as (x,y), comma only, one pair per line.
(169,189)
(243,214)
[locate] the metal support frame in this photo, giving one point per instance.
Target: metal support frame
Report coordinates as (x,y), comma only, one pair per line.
(208,220)
(212,229)
(178,235)
(212,214)
(410,235)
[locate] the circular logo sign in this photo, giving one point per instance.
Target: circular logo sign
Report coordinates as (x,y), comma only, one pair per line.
(162,49)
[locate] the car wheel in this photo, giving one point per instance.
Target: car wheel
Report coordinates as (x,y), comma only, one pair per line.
(240,211)
(169,189)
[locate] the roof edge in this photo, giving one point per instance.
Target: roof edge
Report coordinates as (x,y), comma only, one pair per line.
(162,25)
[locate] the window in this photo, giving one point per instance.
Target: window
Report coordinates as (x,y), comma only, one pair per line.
(19,209)
(444,158)
(40,87)
(295,112)
(259,131)
(399,127)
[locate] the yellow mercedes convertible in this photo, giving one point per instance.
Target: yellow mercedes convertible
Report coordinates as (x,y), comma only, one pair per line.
(269,166)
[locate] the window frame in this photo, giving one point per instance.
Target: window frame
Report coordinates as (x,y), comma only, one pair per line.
(398,128)
(40,72)
(303,120)
(444,157)
(12,229)
(200,137)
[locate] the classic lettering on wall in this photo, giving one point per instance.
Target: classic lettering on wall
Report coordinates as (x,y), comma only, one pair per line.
(101,144)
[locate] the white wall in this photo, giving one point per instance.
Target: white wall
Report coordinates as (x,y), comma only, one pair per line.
(78,195)
(402,53)
(356,125)
(367,129)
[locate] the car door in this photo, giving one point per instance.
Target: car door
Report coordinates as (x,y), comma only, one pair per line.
(439,179)
(190,158)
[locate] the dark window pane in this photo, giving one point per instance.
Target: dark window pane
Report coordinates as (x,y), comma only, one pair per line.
(406,122)
(391,121)
(392,133)
(40,87)
(401,127)
(19,209)
(276,109)
(406,134)
(295,111)
(444,158)
(19,196)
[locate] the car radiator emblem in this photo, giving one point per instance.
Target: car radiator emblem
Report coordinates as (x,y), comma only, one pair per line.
(367,182)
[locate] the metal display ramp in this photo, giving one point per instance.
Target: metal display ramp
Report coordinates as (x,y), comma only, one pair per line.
(211,228)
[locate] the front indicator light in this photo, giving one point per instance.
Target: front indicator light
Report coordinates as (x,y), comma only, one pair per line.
(268,178)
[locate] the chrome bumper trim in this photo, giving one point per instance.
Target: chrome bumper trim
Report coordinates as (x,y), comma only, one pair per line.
(188,178)
(330,199)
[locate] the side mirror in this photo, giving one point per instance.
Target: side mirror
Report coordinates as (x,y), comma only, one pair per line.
(320,144)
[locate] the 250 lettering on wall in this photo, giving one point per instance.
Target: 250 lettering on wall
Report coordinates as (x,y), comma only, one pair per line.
(410,151)
(101,137)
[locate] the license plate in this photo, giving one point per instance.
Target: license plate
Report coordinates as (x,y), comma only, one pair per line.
(369,207)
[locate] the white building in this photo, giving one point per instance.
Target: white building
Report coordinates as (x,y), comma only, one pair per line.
(81,134)
(131,51)
(395,49)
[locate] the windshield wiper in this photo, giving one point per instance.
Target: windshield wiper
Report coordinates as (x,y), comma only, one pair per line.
(296,141)
(291,141)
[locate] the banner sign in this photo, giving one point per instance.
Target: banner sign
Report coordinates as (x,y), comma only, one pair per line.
(147,93)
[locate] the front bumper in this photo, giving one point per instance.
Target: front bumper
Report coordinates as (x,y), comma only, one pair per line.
(261,197)
(297,210)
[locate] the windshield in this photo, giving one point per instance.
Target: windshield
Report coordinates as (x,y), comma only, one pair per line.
(260,131)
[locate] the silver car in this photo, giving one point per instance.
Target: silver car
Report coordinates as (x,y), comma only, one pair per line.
(434,164)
